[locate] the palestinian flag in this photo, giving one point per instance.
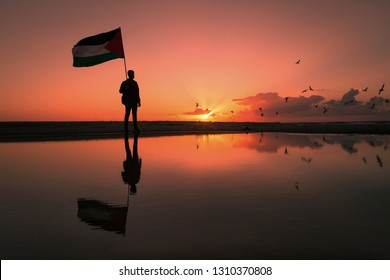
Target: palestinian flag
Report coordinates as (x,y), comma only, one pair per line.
(98,49)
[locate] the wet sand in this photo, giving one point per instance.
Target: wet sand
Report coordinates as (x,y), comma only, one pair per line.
(51,131)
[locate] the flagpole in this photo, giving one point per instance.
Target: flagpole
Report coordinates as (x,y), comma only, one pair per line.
(124,56)
(124,61)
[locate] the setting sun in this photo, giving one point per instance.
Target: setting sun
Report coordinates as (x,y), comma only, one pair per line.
(206,116)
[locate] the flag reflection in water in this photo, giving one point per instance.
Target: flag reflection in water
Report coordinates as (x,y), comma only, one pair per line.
(101,215)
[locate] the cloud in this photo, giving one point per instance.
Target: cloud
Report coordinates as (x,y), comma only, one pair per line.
(349,106)
(271,104)
(380,102)
(198,111)
(271,101)
(310,108)
(347,99)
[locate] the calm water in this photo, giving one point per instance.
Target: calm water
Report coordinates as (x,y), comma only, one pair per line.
(233,196)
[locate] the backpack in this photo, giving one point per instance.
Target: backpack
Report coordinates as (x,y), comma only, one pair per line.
(124,90)
(124,99)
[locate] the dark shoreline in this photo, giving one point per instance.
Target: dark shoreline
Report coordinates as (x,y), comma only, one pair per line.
(52,131)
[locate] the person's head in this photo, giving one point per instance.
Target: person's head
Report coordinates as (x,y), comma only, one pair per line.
(130,73)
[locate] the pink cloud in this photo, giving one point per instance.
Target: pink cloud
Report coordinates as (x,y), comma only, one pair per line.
(268,105)
(272,107)
(348,106)
(198,111)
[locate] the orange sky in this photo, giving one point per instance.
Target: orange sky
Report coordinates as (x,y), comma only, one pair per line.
(231,57)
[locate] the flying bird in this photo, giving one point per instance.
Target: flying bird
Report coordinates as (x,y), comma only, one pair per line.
(277,113)
(379,160)
(286,98)
(298,61)
(285,151)
(310,88)
(197,105)
(381,89)
(326,109)
(365,89)
(303,91)
(261,109)
(364,160)
(296,186)
(307,160)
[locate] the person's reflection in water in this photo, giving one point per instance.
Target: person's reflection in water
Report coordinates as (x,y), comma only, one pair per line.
(131,173)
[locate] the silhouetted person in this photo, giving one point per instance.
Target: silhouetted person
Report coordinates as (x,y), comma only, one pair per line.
(132,165)
(130,98)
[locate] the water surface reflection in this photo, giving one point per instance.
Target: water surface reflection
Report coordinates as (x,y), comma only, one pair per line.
(230,196)
(103,215)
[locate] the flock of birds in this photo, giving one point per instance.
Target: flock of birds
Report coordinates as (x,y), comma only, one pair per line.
(324,109)
(365,90)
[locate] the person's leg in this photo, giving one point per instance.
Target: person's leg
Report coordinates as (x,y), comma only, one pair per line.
(126,120)
(135,121)
(135,149)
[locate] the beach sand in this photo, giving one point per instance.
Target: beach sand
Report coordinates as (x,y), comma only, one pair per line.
(49,131)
